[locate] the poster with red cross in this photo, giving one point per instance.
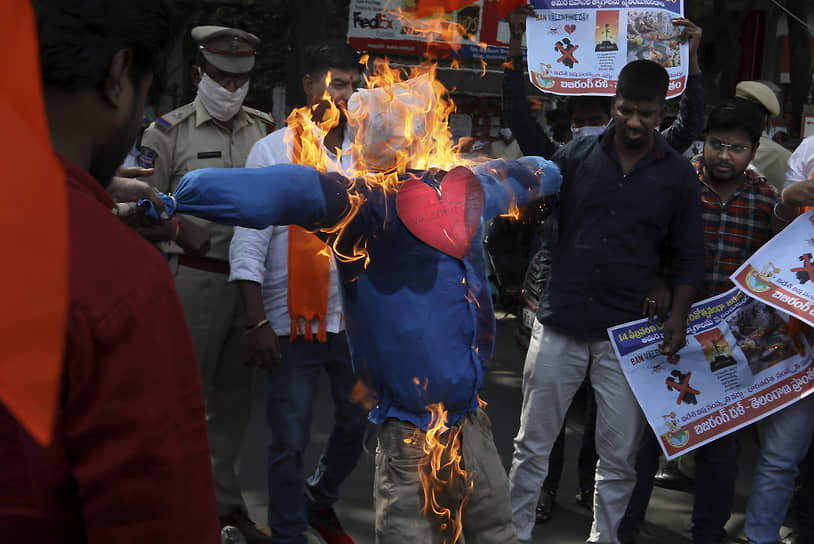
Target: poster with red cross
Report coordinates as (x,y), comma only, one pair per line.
(578,47)
(781,273)
(743,361)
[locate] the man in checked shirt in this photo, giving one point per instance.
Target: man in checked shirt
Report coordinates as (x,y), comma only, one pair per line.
(738,217)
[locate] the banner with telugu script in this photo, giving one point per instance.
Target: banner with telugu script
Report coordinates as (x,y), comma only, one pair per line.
(741,364)
(781,272)
(578,47)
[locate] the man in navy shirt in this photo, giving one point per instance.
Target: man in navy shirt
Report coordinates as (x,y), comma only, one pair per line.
(626,196)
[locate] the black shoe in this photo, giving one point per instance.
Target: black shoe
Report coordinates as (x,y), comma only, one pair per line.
(246,526)
(585,498)
(670,477)
(546,506)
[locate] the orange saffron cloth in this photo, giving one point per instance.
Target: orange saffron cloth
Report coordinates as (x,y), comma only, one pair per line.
(309,270)
(34,237)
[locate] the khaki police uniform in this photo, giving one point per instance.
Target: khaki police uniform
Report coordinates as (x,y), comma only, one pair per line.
(186,139)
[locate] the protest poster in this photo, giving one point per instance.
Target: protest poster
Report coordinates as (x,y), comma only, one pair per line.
(741,364)
(580,46)
(781,272)
(389,26)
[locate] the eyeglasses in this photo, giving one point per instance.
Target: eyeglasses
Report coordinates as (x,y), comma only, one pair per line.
(718,147)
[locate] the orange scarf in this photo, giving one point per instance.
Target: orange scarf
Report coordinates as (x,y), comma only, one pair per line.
(309,271)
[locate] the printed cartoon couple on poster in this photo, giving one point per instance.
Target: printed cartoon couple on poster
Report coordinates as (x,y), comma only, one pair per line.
(748,351)
(579,46)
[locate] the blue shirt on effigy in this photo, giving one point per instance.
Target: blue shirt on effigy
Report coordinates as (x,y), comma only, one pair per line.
(420,322)
(613,228)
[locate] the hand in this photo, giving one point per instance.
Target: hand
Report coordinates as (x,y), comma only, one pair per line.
(675,335)
(692,33)
(517,20)
(193,238)
(126,191)
(264,347)
(657,303)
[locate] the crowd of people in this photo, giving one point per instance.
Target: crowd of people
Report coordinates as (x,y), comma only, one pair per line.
(171,321)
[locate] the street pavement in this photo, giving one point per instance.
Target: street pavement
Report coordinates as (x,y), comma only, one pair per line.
(668,515)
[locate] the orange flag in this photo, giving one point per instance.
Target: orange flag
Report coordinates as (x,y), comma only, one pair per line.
(33,235)
(433,7)
(505,6)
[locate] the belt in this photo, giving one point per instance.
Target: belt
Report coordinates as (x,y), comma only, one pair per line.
(206,264)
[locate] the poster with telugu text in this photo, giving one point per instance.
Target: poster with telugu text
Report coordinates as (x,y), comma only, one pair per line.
(781,272)
(578,47)
(742,362)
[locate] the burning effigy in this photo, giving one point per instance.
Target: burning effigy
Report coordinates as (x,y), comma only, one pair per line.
(406,225)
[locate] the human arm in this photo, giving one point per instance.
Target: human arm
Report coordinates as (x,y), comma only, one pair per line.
(689,123)
(530,136)
(135,429)
(248,253)
(686,258)
(675,327)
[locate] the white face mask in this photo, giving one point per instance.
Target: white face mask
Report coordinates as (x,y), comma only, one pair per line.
(587,131)
(506,133)
(218,101)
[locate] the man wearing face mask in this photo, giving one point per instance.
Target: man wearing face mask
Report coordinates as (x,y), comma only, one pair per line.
(214,130)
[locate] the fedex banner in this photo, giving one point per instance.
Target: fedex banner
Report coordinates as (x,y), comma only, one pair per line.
(579,46)
(374,25)
(742,362)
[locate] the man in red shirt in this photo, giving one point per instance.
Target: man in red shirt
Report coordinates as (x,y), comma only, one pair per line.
(129,459)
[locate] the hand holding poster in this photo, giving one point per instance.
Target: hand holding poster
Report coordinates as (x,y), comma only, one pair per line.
(741,363)
(580,46)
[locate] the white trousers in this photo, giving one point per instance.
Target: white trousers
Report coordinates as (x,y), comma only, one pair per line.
(556,365)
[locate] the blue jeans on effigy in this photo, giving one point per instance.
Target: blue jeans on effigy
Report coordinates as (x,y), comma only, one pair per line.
(290,397)
(787,436)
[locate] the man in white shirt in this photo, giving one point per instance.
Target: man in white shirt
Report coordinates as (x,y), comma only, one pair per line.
(284,317)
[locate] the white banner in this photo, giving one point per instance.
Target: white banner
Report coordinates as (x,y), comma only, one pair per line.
(580,46)
(741,363)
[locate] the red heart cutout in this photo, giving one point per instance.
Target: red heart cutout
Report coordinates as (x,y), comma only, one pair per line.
(448,223)
(570,28)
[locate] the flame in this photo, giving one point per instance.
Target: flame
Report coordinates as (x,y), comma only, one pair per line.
(513,213)
(398,121)
(443,478)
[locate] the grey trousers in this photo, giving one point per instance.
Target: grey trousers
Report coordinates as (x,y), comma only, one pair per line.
(556,365)
(217,322)
(485,517)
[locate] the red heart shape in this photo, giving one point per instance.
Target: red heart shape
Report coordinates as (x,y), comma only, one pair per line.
(448,223)
(570,28)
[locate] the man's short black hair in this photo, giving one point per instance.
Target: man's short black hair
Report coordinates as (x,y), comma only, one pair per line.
(319,57)
(588,101)
(643,80)
(734,114)
(78,38)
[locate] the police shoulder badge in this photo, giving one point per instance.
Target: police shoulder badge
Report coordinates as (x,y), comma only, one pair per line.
(146,157)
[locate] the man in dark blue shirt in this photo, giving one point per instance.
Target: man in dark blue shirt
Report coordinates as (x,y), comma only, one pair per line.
(626,196)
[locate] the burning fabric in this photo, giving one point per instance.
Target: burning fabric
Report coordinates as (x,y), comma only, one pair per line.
(416,298)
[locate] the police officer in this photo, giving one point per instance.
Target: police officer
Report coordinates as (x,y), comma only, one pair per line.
(214,130)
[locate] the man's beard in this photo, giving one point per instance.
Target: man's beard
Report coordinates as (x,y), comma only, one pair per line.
(634,143)
(107,157)
(321,111)
(727,173)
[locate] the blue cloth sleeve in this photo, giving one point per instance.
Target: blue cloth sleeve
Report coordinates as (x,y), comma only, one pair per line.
(509,182)
(283,194)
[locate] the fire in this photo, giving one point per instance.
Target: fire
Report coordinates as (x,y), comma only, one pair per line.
(398,121)
(444,482)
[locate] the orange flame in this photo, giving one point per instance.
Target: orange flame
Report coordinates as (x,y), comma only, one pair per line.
(399,121)
(444,482)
